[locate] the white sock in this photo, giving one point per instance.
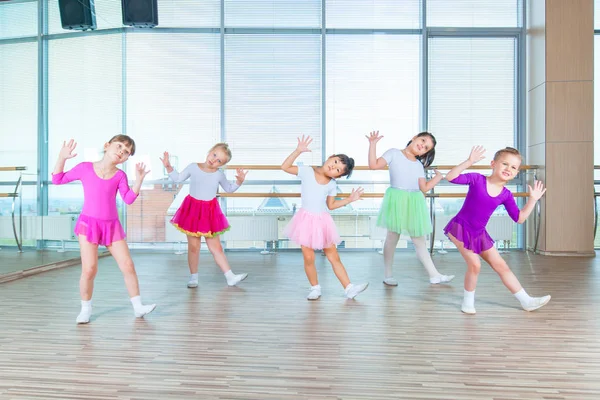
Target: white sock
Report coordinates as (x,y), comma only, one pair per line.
(424,256)
(137,302)
(523,297)
(233,279)
(389,248)
(140,309)
(469,298)
(194,277)
(315,292)
(85,313)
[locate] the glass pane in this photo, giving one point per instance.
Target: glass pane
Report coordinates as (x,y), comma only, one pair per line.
(84,95)
(471,95)
(272,95)
(273,13)
(18,19)
(18,108)
(475,13)
(381,14)
(372,84)
(189,13)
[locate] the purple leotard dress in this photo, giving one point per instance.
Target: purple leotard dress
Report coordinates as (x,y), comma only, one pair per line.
(468,226)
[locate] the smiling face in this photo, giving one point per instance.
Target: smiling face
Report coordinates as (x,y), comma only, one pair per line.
(421,145)
(506,166)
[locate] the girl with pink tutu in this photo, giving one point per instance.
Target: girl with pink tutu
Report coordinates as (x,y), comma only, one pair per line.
(467,229)
(312,227)
(200,214)
(99,223)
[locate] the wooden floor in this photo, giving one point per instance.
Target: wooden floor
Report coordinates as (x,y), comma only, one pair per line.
(263,340)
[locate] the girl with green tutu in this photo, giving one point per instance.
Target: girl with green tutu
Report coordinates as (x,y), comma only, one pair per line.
(404,209)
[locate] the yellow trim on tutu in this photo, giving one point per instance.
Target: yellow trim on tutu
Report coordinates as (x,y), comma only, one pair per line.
(200,234)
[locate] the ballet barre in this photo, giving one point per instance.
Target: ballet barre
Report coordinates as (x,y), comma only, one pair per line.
(366,168)
(18,192)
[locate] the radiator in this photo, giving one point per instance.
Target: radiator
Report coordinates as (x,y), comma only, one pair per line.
(54,227)
(376,232)
(252,227)
(500,227)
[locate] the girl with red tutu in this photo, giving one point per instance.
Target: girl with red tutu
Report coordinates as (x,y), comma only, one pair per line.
(467,229)
(312,227)
(99,223)
(200,214)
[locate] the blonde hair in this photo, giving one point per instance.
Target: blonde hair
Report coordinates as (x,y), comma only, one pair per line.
(225,148)
(507,150)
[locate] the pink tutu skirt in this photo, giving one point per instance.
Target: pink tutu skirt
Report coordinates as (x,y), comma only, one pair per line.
(99,231)
(476,240)
(200,218)
(316,231)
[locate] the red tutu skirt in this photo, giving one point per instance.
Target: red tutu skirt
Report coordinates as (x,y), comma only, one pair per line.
(99,231)
(200,218)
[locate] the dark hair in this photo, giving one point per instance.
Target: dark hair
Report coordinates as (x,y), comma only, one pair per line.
(507,150)
(348,162)
(124,139)
(427,158)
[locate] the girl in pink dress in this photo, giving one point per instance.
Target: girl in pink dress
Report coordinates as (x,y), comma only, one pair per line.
(312,227)
(200,215)
(99,223)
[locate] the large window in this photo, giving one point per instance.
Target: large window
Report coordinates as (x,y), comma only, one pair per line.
(257,76)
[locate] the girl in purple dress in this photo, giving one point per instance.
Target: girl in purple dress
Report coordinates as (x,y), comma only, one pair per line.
(99,223)
(467,229)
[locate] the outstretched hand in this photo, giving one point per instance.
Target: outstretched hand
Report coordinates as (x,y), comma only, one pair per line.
(537,191)
(140,171)
(374,137)
(477,154)
(165,160)
(303,144)
(356,194)
(67,149)
(240,176)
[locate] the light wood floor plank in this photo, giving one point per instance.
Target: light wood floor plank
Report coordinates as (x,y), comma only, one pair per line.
(263,340)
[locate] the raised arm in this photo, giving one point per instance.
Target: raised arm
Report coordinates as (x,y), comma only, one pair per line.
(475,156)
(179,177)
(332,203)
(302,147)
(535,194)
(231,187)
(374,162)
(59,177)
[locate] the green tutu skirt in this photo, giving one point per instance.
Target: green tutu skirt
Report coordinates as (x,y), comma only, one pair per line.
(405,212)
